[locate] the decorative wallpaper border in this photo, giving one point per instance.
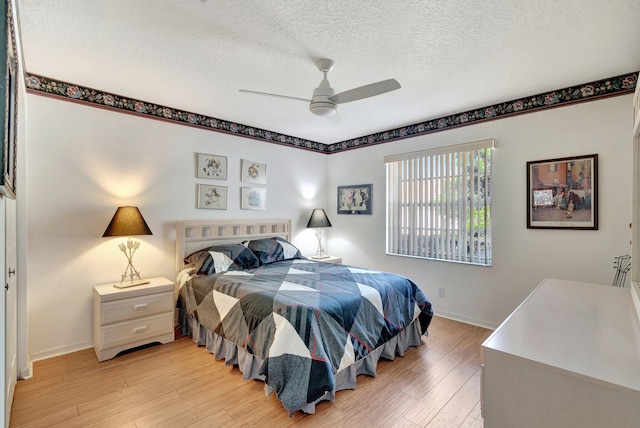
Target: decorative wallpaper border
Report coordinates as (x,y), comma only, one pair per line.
(70,92)
(618,85)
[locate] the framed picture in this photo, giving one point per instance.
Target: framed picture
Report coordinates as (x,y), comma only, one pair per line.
(253,198)
(212,197)
(211,166)
(253,172)
(563,193)
(355,199)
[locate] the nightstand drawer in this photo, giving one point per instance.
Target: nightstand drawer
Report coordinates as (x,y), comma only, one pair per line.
(136,307)
(135,330)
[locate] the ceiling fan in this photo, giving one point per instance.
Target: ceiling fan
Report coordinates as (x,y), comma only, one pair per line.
(324,101)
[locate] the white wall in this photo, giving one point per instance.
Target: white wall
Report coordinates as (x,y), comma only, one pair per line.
(521,257)
(83,162)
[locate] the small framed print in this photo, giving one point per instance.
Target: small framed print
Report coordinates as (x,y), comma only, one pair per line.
(253,198)
(355,199)
(212,197)
(253,172)
(211,166)
(563,193)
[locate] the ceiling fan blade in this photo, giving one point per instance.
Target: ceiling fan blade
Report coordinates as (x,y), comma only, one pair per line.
(366,91)
(273,95)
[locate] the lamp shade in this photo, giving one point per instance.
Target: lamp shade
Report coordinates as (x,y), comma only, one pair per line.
(319,219)
(127,221)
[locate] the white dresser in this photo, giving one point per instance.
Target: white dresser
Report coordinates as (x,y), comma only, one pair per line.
(129,317)
(568,356)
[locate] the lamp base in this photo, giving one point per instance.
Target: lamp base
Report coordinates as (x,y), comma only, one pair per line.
(132,283)
(320,257)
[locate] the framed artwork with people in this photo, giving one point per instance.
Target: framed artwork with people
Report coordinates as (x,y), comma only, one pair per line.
(563,193)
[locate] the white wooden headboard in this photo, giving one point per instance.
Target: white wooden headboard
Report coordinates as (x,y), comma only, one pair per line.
(193,235)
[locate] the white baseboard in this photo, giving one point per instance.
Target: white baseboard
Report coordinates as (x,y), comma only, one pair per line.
(26,372)
(56,352)
(62,350)
(466,320)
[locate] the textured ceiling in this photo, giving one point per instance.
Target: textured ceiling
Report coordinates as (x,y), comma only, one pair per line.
(449,55)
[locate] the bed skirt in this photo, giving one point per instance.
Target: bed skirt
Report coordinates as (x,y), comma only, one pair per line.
(249,364)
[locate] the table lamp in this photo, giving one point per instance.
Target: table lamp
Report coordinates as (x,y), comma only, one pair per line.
(319,220)
(128,221)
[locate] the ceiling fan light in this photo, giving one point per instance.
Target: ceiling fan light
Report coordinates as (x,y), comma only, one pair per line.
(323,109)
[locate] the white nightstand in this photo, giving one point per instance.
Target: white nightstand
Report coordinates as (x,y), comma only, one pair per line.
(330,259)
(124,318)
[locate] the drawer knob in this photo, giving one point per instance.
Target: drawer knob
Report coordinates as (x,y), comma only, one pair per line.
(140,306)
(140,329)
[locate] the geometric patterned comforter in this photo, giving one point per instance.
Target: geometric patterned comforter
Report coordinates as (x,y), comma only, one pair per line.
(306,320)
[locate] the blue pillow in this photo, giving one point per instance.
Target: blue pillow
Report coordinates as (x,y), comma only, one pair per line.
(269,250)
(220,258)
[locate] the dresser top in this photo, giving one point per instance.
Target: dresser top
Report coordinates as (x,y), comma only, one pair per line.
(588,330)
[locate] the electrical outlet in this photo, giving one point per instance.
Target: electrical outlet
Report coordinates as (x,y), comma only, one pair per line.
(440,292)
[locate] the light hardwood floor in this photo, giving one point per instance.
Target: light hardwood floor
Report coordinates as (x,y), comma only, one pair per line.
(180,385)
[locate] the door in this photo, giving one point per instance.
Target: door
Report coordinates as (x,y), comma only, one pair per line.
(3,318)
(11,304)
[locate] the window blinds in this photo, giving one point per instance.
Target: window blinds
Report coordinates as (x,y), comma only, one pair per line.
(439,203)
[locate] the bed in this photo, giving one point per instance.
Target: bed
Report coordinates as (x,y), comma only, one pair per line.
(304,327)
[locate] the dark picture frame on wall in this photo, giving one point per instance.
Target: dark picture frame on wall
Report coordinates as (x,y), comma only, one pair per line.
(10,104)
(563,193)
(356,199)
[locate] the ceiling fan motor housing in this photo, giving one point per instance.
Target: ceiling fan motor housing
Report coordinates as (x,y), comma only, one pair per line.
(323,108)
(321,104)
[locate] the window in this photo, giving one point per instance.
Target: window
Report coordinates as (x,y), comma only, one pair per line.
(439,203)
